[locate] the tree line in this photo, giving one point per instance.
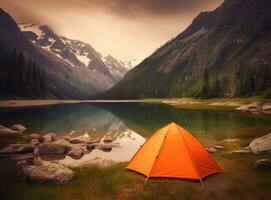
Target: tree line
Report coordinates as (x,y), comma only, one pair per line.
(20,76)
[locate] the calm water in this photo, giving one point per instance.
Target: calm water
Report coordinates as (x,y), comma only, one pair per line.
(128,123)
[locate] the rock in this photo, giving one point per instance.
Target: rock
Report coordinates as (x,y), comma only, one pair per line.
(240,151)
(47,172)
(104,147)
(99,162)
(52,148)
(8,131)
(261,144)
(262,164)
(19,127)
(52,157)
(36,136)
(211,150)
(79,140)
(8,150)
(35,142)
(91,146)
(63,142)
(253,107)
(229,140)
(1,126)
(107,139)
(219,147)
(26,149)
(49,137)
(17,148)
(24,158)
(76,153)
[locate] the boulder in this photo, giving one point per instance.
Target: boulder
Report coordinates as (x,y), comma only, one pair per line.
(76,153)
(262,164)
(19,127)
(52,148)
(8,131)
(99,163)
(261,144)
(49,137)
(79,140)
(51,172)
(211,150)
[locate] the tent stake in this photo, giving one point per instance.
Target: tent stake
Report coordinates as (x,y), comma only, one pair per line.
(201,182)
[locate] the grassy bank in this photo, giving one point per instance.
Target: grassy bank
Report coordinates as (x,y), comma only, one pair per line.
(238,180)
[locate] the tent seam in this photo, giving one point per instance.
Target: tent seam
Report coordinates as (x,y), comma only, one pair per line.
(191,158)
(158,151)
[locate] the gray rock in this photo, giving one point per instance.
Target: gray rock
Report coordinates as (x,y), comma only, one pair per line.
(241,151)
(51,172)
(8,131)
(261,144)
(211,150)
(262,164)
(49,137)
(219,147)
(99,163)
(229,140)
(19,127)
(76,153)
(26,149)
(52,148)
(79,140)
(17,148)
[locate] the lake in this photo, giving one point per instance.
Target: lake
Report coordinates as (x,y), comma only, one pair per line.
(128,123)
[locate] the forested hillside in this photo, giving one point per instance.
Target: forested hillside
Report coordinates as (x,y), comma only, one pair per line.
(223,53)
(20,76)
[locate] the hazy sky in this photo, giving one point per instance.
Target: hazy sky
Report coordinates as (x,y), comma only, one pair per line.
(126,29)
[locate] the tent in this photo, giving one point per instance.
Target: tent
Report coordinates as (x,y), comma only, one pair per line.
(173,152)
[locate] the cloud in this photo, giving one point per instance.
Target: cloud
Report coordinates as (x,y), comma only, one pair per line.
(151,7)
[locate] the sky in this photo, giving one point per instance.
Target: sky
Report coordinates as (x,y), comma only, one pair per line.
(125,29)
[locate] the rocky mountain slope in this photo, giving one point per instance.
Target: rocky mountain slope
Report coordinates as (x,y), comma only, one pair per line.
(65,75)
(75,52)
(223,53)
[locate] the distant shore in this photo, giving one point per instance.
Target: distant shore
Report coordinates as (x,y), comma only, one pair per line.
(36,102)
(252,104)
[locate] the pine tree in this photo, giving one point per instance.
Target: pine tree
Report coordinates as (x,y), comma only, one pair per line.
(205,91)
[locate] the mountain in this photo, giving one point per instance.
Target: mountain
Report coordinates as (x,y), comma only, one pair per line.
(62,77)
(223,53)
(75,52)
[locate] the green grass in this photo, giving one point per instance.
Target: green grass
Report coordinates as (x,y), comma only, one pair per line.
(238,180)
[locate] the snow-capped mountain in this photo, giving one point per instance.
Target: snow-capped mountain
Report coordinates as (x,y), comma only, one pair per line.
(75,52)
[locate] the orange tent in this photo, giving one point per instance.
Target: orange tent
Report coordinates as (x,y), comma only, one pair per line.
(174,153)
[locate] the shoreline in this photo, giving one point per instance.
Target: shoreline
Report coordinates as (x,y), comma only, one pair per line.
(246,104)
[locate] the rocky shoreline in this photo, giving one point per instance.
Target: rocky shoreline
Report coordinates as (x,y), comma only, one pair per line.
(38,158)
(254,107)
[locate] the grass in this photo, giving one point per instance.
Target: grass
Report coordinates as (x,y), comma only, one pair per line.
(238,180)
(243,100)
